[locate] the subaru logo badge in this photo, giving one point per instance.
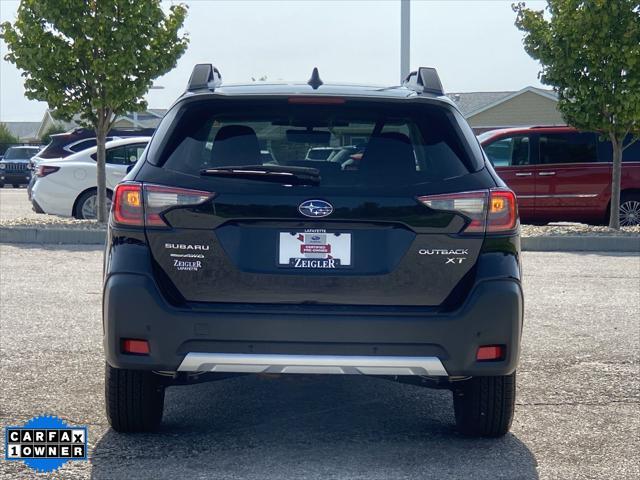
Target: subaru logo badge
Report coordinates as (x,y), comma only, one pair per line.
(315,208)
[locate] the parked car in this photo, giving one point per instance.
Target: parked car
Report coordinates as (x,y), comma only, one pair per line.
(407,267)
(320,153)
(67,186)
(561,174)
(14,165)
(79,139)
(64,144)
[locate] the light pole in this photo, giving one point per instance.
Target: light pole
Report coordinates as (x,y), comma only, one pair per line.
(405,38)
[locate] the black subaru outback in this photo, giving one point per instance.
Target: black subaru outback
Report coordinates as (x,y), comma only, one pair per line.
(401,263)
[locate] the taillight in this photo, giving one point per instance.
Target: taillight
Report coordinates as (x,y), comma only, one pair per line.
(138,204)
(158,198)
(503,211)
(493,211)
(44,170)
(469,204)
(126,207)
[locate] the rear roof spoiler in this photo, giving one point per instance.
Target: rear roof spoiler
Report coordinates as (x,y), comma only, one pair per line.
(424,80)
(204,76)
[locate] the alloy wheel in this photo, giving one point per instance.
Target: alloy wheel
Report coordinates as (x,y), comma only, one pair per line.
(630,213)
(90,206)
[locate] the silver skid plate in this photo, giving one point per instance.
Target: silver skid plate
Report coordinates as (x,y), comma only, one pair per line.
(314,364)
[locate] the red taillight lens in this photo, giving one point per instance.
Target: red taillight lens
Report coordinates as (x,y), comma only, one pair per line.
(138,347)
(503,211)
(158,198)
(127,204)
(491,353)
(470,204)
(44,170)
(141,205)
(495,211)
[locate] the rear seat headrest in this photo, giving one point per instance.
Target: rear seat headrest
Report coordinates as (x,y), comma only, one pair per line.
(235,145)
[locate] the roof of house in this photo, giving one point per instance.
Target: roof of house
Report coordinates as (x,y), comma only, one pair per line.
(471,103)
(147,119)
(23,130)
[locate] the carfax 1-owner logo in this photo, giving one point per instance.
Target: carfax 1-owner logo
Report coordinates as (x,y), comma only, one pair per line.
(45,443)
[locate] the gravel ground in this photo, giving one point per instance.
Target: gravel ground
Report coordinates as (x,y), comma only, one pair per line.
(577,414)
(567,228)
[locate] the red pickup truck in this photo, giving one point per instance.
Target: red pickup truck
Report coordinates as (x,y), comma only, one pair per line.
(562,174)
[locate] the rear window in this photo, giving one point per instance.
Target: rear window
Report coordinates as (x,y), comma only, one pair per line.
(20,153)
(352,144)
(630,154)
(568,148)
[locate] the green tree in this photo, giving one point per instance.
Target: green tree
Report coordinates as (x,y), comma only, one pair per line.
(6,138)
(590,53)
(45,138)
(94,58)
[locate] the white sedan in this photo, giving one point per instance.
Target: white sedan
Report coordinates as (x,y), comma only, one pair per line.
(67,186)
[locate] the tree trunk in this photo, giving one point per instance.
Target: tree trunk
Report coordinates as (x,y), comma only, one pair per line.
(616,173)
(101,176)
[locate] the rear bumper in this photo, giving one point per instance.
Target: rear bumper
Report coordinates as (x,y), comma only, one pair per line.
(314,340)
(53,198)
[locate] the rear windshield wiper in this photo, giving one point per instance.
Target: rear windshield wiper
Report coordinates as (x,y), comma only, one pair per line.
(267,173)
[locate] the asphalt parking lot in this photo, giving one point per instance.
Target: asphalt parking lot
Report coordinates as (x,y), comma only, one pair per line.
(578,406)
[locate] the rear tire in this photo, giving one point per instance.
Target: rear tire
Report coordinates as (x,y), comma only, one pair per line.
(86,205)
(484,406)
(134,399)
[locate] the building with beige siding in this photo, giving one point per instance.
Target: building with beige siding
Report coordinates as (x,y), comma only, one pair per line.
(527,107)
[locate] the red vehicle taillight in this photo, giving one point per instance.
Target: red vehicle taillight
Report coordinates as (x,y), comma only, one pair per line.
(503,211)
(141,205)
(158,198)
(44,170)
(126,208)
(493,211)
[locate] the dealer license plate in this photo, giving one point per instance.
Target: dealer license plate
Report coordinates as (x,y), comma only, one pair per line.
(314,250)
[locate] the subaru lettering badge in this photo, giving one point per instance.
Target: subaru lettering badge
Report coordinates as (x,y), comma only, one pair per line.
(315,208)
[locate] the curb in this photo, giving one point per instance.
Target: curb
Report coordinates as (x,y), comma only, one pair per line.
(51,235)
(579,243)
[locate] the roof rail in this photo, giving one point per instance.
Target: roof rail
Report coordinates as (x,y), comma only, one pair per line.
(204,75)
(424,80)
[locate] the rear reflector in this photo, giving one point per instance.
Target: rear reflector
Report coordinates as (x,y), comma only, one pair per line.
(489,353)
(138,347)
(137,204)
(493,211)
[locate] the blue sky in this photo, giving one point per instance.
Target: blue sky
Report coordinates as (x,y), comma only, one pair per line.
(474,45)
